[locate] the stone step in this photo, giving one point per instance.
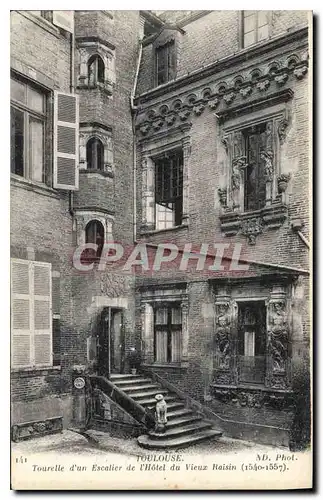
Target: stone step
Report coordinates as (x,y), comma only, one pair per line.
(145,394)
(177,422)
(174,406)
(126,382)
(178,412)
(180,431)
(151,402)
(132,389)
(124,376)
(177,442)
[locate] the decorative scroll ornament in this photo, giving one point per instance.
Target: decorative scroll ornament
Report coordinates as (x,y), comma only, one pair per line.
(300,72)
(199,108)
(229,98)
(246,91)
(281,79)
(252,228)
(214,102)
(263,85)
(184,114)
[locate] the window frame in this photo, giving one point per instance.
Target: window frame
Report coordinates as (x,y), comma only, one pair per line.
(37,115)
(96,233)
(170,52)
(96,141)
(173,201)
(95,62)
(170,327)
(269,18)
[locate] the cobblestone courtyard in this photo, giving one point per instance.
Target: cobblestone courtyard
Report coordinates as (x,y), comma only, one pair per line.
(99,443)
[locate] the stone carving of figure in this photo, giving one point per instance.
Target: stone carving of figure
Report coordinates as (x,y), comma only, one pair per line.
(237,164)
(223,334)
(279,336)
(161,413)
(267,156)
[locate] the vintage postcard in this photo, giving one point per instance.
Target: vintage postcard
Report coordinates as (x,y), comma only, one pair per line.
(161,233)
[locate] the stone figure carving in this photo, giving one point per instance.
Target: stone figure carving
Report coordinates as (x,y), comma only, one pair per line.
(222,336)
(278,336)
(267,156)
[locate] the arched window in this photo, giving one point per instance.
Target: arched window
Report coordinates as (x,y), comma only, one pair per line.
(95,154)
(94,233)
(95,69)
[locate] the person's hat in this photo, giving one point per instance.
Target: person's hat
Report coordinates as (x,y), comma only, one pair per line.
(159,397)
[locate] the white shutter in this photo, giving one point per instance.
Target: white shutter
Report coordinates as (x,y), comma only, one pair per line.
(42,306)
(66,138)
(21,321)
(64,19)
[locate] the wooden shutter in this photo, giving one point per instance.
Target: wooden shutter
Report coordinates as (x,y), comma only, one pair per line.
(20,314)
(42,305)
(64,19)
(66,135)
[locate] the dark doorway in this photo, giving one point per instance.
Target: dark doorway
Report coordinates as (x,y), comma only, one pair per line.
(111,342)
(252,342)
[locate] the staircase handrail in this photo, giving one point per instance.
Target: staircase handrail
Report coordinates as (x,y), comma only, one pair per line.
(141,414)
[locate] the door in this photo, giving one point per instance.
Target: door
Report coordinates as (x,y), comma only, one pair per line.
(252,342)
(111,342)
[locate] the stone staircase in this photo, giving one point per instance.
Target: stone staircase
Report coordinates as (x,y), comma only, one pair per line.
(184,427)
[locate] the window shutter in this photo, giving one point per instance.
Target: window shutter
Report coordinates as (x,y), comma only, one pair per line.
(66,135)
(42,313)
(64,19)
(20,314)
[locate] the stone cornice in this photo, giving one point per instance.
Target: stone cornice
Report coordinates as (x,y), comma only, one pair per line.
(80,40)
(244,55)
(263,85)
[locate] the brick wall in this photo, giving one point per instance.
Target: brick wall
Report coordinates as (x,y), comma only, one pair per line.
(40,217)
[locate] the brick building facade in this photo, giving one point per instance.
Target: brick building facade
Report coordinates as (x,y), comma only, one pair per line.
(193,129)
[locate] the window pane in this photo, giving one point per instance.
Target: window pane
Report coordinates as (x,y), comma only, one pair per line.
(17,141)
(36,149)
(161,316)
(262,17)
(250,23)
(263,33)
(176,316)
(35,100)
(17,90)
(249,343)
(176,346)
(249,38)
(161,346)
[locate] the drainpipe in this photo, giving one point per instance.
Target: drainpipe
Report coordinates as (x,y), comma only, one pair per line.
(72,56)
(134,115)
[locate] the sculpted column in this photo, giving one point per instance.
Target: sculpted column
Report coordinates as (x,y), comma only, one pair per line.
(277,368)
(225,366)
